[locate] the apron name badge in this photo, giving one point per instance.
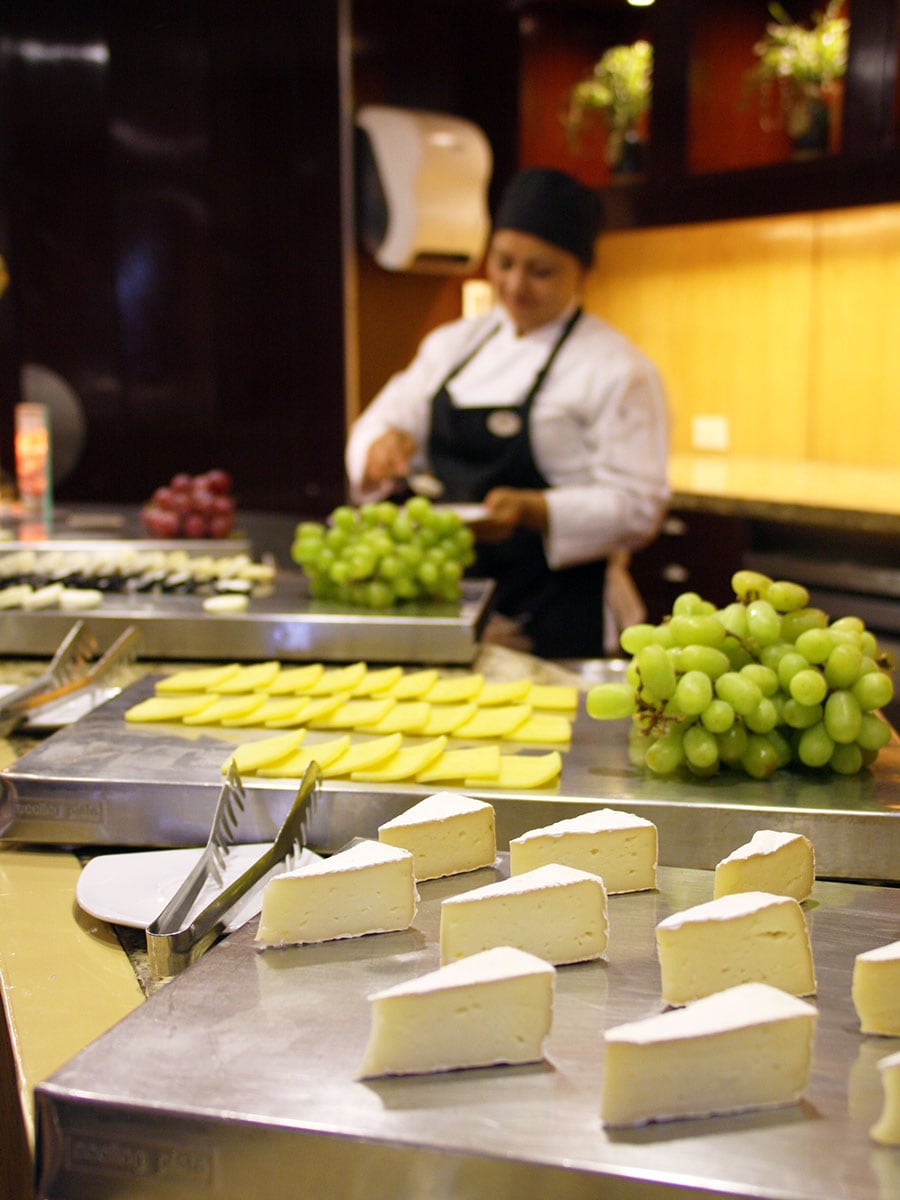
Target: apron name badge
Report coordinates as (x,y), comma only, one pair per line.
(504,423)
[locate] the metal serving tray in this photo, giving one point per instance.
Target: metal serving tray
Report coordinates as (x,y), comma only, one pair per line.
(103,781)
(285,624)
(237,1080)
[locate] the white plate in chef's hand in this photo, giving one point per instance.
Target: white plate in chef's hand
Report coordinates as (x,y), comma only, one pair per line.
(469,514)
(133,888)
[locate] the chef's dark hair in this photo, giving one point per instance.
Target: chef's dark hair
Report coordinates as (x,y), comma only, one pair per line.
(554,207)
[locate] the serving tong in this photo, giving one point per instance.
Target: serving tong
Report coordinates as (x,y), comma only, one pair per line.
(174,939)
(70,670)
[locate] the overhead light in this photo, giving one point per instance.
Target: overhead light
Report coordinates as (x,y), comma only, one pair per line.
(640,3)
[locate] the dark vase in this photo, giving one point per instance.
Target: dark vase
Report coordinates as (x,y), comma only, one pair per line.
(630,158)
(810,128)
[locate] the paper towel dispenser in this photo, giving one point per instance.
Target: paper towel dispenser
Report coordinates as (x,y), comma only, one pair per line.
(422,182)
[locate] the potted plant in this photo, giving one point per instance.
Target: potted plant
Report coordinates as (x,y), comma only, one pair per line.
(797,71)
(618,92)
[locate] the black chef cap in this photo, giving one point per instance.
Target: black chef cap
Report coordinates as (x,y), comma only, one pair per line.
(554,207)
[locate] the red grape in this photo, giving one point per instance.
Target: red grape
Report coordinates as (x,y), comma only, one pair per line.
(160,522)
(218,481)
(194,526)
(163,497)
(220,526)
(182,482)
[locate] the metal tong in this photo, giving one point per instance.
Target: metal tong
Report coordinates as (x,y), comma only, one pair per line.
(173,942)
(69,671)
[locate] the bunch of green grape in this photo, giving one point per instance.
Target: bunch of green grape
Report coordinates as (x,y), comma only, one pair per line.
(382,554)
(764,682)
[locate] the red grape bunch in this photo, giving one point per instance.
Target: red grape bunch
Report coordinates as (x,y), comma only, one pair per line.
(191,506)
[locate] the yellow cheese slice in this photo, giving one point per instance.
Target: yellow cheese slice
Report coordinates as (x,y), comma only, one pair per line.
(224,707)
(374,682)
(168,708)
(480,761)
(556,696)
(494,722)
(445,718)
(294,680)
(250,756)
(197,679)
(339,679)
(355,714)
(256,678)
(405,764)
(273,708)
(454,689)
(542,727)
(522,771)
(315,707)
(512,691)
(323,753)
(407,716)
(413,685)
(364,755)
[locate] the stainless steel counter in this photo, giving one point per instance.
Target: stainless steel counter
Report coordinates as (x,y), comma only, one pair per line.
(237,1079)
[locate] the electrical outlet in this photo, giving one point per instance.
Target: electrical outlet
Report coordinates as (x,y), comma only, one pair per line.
(710,433)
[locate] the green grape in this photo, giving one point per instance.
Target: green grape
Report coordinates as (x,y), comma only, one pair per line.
(697,630)
(788,666)
(843,665)
(874,733)
(808,686)
(771,655)
(718,716)
(708,659)
(688,603)
(633,675)
(781,746)
(339,572)
(657,673)
(846,759)
(763,718)
(814,746)
(693,692)
(868,644)
(786,597)
(738,654)
(336,538)
(843,717)
(387,512)
(797,622)
(310,529)
(344,518)
(662,635)
(610,701)
(742,694)
(635,637)
(732,744)
(873,690)
(763,622)
(764,677)
(750,585)
(700,748)
(428,573)
(378,594)
(674,654)
(760,759)
(666,753)
(849,625)
(451,571)
(734,618)
(801,716)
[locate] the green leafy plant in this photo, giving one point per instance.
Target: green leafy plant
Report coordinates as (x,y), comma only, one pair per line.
(617,91)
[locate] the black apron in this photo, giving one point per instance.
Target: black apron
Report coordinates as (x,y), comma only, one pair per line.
(472,450)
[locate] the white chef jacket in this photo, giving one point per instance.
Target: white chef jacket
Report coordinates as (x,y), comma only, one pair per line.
(599,425)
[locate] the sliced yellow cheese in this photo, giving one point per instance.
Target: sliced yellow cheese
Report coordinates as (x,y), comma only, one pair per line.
(377,681)
(875,990)
(323,753)
(251,756)
(480,761)
(407,716)
(447,718)
(886,1130)
(521,771)
(454,689)
(339,679)
(364,755)
(511,691)
(494,722)
(295,680)
(413,684)
(197,679)
(273,708)
(355,714)
(405,764)
(543,727)
(223,708)
(316,707)
(168,708)
(555,696)
(256,678)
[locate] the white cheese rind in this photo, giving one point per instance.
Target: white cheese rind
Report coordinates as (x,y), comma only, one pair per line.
(619,847)
(447,834)
(368,888)
(781,863)
(745,1048)
(491,1009)
(876,990)
(557,913)
(886,1130)
(744,938)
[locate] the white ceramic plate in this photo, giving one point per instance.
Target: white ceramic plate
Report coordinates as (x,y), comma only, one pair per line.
(467,513)
(133,888)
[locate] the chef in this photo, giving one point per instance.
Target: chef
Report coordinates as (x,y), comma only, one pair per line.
(541,412)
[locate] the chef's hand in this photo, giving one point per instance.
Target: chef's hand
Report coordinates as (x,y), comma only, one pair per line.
(388,458)
(511,509)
